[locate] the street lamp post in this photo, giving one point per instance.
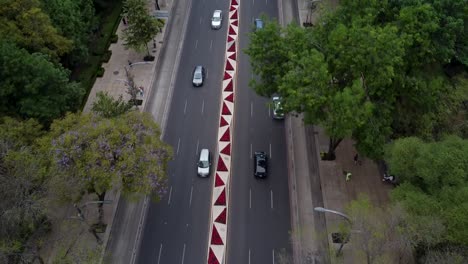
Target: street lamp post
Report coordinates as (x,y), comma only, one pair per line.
(324,210)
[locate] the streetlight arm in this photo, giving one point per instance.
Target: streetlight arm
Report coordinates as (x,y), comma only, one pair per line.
(324,210)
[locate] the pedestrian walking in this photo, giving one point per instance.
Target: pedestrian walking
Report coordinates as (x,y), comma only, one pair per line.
(356,159)
(124,20)
(348,176)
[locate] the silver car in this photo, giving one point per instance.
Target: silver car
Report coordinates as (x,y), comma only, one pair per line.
(278,112)
(217,19)
(198,76)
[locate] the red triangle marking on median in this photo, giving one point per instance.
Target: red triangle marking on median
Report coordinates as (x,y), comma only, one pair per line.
(230,39)
(227,150)
(226,136)
(233,7)
(221,217)
(221,165)
(234,15)
(228,87)
(229,66)
(232,48)
(218,181)
(232,31)
(235,23)
(233,56)
(234,2)
(223,122)
(222,198)
(212,259)
(227,75)
(230,98)
(226,110)
(215,238)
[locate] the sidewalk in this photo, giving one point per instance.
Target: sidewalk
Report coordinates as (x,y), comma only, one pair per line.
(317,183)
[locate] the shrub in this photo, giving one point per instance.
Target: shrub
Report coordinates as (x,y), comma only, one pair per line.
(106,57)
(100,72)
(114,38)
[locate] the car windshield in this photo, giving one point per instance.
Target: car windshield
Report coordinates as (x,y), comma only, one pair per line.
(203,164)
(197,75)
(216,18)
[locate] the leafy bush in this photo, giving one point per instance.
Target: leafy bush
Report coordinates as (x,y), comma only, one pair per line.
(100,72)
(107,56)
(114,38)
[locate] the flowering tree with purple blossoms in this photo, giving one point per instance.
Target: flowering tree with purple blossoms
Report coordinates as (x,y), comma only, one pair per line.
(91,154)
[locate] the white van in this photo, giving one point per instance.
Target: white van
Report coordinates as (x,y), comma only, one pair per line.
(204,163)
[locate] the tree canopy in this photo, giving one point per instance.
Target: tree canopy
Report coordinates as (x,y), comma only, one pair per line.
(142,27)
(434,177)
(33,87)
(373,70)
(27,25)
(92,154)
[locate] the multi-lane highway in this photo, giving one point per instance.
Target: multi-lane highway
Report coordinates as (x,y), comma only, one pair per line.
(177,228)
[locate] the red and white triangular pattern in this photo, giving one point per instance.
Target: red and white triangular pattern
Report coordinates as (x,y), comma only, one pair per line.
(220,203)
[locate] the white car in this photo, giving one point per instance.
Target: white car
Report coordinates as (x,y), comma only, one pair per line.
(204,163)
(216,19)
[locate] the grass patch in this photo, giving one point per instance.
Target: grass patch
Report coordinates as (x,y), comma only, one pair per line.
(86,72)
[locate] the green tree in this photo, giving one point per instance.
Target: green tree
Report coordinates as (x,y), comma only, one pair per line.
(108,107)
(391,48)
(23,219)
(26,24)
(434,180)
(142,27)
(74,21)
(91,154)
(33,87)
(267,57)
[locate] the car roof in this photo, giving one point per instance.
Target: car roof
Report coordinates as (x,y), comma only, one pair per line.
(217,13)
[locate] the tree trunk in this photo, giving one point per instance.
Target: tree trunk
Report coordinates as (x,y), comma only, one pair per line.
(333,144)
(101,197)
(156,2)
(147,50)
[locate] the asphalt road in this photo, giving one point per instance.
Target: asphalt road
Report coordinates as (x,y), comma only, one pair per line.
(176,228)
(259,214)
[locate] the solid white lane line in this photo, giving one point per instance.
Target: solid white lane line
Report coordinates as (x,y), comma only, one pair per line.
(251,109)
(200,20)
(249,255)
(160,251)
(185,107)
(191,192)
(273,256)
(266,1)
(211,44)
(203,106)
(198,142)
(250,198)
(271,192)
(183,255)
(251,150)
(269,110)
(170,194)
(196,43)
(270,151)
(178,146)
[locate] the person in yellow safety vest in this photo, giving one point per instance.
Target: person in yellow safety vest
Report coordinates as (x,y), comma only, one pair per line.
(348,176)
